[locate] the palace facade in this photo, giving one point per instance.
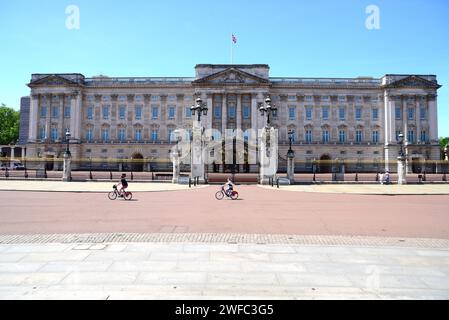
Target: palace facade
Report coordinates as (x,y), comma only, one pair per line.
(113,121)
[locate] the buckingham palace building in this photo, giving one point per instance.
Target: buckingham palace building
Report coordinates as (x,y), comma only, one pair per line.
(128,123)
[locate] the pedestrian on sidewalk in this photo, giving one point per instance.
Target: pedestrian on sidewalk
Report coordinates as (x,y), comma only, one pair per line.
(385,178)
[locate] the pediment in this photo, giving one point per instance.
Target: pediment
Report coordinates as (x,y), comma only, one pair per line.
(231,76)
(53,80)
(413,82)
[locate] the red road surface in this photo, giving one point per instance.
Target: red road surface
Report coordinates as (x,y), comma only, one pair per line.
(196,211)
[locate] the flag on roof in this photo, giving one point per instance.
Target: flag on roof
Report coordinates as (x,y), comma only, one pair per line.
(234,38)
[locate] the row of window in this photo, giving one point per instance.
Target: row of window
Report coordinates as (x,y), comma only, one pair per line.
(342,136)
(107,98)
(411,136)
(325,113)
(55,112)
(232,111)
(54,133)
(138,115)
(411,113)
(325,136)
(121,135)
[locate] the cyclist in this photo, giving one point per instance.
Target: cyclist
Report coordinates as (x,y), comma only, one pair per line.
(229,187)
(122,185)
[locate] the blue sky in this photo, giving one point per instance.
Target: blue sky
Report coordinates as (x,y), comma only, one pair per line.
(320,38)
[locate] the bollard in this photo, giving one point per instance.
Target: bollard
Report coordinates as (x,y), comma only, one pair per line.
(90,175)
(190,183)
(132,176)
(424,177)
(377,177)
(314,177)
(152,175)
(356,177)
(6,173)
(45,173)
(26,174)
(272,182)
(110,175)
(277,182)
(444,177)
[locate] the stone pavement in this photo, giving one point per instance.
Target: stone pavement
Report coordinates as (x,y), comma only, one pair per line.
(59,186)
(192,270)
(378,189)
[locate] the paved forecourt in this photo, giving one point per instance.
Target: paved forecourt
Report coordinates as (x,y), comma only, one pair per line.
(96,187)
(375,189)
(186,245)
(258,211)
(221,271)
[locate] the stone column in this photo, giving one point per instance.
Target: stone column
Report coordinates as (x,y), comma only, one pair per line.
(48,118)
(224,115)
(268,155)
(402,170)
(197,156)
(12,153)
(67,169)
(208,122)
(179,109)
(34,107)
(73,104)
(405,129)
(390,127)
(239,112)
(61,117)
(418,119)
(78,109)
(433,116)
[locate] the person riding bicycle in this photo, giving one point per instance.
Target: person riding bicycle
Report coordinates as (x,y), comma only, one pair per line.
(122,185)
(228,187)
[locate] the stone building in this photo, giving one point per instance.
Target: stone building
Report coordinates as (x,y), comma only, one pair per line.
(128,123)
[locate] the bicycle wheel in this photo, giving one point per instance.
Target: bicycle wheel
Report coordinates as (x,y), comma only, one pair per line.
(234,195)
(112,195)
(219,195)
(127,195)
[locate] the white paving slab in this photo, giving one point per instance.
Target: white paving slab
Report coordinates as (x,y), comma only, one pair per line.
(221,271)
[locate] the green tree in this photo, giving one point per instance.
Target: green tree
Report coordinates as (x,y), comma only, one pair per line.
(444,142)
(9,125)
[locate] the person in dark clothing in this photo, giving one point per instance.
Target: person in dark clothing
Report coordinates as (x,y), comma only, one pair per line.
(123,184)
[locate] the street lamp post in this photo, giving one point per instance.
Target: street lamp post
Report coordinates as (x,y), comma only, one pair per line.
(291,158)
(268,148)
(67,169)
(267,109)
(402,177)
(199,108)
(197,157)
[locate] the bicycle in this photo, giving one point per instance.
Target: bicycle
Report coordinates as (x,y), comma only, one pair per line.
(115,193)
(234,195)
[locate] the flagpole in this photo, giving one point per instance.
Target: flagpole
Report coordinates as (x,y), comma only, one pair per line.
(232,49)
